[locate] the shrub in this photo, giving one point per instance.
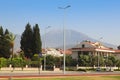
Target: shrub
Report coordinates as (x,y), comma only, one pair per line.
(70,69)
(82,70)
(116,69)
(3,62)
(91,69)
(17,62)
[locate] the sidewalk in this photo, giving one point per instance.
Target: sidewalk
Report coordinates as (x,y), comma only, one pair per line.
(35,71)
(27,70)
(37,74)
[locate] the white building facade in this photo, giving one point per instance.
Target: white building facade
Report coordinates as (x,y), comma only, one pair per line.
(93,48)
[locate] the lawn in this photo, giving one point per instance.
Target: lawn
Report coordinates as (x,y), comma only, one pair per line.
(75,78)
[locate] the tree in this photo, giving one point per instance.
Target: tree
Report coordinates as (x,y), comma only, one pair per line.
(4,45)
(4,49)
(80,60)
(118,47)
(84,60)
(6,31)
(101,61)
(37,44)
(118,63)
(50,60)
(111,60)
(36,61)
(21,54)
(57,61)
(27,41)
(1,31)
(31,41)
(11,38)
(70,61)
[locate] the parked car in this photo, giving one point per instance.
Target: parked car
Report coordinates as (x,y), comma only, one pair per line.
(98,69)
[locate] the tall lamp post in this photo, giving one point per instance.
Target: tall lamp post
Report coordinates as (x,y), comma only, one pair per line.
(64,8)
(98,52)
(45,47)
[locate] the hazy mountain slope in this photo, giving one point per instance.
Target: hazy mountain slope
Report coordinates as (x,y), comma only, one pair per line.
(54,38)
(17,43)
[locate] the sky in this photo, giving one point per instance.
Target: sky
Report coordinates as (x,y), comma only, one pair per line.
(95,18)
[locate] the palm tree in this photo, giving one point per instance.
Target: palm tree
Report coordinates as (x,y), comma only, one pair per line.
(11,38)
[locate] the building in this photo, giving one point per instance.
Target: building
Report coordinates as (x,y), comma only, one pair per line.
(56,52)
(52,51)
(93,48)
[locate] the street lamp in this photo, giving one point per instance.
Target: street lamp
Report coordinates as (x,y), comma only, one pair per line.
(39,65)
(45,47)
(64,8)
(98,52)
(106,62)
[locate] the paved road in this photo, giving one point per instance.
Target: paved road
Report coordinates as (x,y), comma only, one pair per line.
(19,74)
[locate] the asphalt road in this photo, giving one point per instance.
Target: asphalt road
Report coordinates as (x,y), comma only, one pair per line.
(19,74)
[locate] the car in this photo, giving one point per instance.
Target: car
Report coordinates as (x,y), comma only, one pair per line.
(98,69)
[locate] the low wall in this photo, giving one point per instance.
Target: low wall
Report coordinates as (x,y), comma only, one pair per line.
(95,67)
(55,69)
(27,69)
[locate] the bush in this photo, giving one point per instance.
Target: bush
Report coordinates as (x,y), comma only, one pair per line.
(49,67)
(87,69)
(35,64)
(70,69)
(16,62)
(3,62)
(82,70)
(116,69)
(91,69)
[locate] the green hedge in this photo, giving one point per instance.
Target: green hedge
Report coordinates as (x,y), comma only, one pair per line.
(71,69)
(81,70)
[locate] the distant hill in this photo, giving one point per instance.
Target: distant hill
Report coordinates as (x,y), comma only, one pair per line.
(17,43)
(54,39)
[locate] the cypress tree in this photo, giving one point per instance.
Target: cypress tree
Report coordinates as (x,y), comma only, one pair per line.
(31,41)
(1,31)
(6,32)
(4,45)
(27,41)
(36,40)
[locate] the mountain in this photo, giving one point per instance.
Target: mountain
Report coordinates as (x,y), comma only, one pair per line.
(54,39)
(17,43)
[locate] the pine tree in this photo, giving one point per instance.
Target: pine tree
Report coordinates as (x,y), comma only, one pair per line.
(36,40)
(27,41)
